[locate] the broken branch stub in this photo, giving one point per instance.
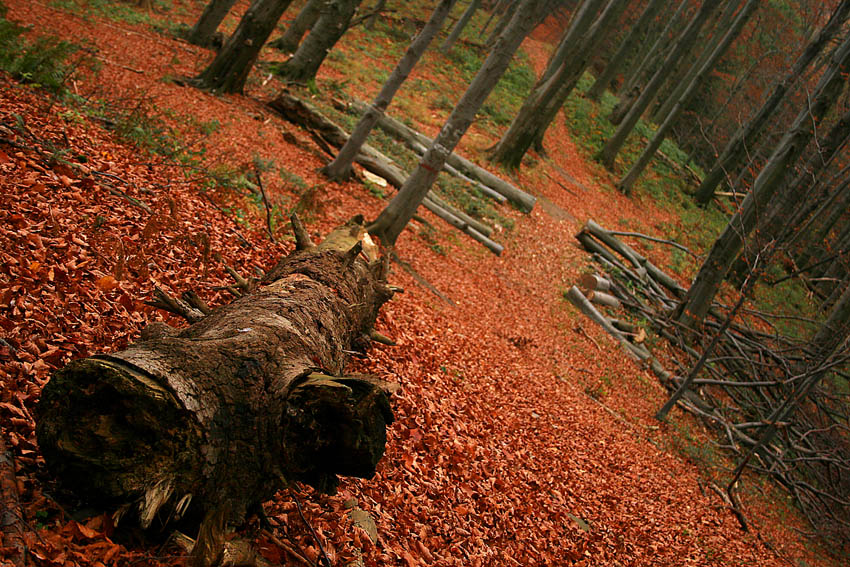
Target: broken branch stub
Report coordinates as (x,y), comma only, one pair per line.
(221,414)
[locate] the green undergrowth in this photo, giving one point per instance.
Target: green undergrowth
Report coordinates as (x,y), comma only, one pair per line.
(43,62)
(118,11)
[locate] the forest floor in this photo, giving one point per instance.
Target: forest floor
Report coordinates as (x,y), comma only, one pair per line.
(523,435)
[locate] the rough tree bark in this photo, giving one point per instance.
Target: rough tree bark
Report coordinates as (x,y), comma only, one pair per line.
(229,70)
(734,154)
(401,209)
(331,25)
(684,43)
(459,26)
(306,18)
(625,50)
(211,420)
(627,182)
(340,167)
(694,307)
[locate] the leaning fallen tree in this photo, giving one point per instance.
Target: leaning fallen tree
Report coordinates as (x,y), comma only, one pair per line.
(209,421)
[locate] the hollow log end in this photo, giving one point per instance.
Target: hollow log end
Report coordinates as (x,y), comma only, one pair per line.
(344,420)
(111,433)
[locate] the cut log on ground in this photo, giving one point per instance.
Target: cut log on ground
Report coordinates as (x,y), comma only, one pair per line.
(305,115)
(209,421)
(416,140)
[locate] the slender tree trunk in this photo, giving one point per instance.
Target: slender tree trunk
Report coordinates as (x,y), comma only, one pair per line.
(329,28)
(231,66)
(218,416)
(627,48)
(340,167)
(500,7)
(570,76)
(400,210)
(459,26)
(648,62)
(306,18)
(212,16)
(815,243)
(376,11)
(725,22)
(522,132)
(734,154)
(696,303)
(627,182)
(785,207)
(502,23)
(684,43)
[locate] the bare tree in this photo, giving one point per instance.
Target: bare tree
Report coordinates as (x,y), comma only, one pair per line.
(305,20)
(460,26)
(401,209)
(626,183)
(204,29)
(683,44)
(696,303)
(229,70)
(734,154)
(627,47)
(340,167)
(329,28)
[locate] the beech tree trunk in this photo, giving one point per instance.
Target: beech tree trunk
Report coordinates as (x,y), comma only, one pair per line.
(231,66)
(627,182)
(401,209)
(523,131)
(459,26)
(686,40)
(340,167)
(630,89)
(693,308)
(726,22)
(627,47)
(211,420)
(204,29)
(791,199)
(330,26)
(306,18)
(734,154)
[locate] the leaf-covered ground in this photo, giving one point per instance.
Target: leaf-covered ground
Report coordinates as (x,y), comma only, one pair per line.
(524,436)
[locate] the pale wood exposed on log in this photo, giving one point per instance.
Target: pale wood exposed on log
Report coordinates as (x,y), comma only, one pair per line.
(209,421)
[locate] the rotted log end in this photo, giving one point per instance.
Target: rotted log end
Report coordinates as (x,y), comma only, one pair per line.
(115,436)
(334,426)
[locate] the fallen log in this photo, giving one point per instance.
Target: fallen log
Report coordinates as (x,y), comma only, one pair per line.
(305,115)
(209,421)
(416,140)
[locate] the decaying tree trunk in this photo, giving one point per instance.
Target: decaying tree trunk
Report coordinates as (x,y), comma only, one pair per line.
(209,421)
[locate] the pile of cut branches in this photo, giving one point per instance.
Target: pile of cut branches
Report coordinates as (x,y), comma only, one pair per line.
(779,407)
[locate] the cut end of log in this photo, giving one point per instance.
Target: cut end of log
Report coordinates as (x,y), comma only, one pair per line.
(112,432)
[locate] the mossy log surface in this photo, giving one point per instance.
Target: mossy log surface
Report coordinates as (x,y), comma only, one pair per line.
(221,414)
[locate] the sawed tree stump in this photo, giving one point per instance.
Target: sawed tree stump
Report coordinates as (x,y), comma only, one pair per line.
(214,418)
